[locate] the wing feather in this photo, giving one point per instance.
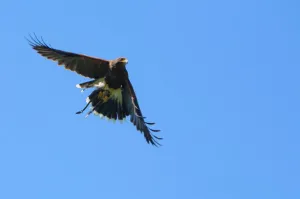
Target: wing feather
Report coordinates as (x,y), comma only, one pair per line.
(86,66)
(131,104)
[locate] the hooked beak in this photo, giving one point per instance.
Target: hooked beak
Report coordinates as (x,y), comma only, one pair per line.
(125,61)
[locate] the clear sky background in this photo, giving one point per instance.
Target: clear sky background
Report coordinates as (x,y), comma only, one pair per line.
(219,78)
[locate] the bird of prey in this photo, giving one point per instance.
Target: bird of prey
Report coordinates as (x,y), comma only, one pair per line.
(113,97)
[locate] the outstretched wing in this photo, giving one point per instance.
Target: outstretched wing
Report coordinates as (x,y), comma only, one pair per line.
(131,104)
(84,65)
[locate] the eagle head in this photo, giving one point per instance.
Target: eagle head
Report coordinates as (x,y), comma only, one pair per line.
(122,60)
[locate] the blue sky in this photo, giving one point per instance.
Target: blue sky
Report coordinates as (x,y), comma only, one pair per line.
(219,78)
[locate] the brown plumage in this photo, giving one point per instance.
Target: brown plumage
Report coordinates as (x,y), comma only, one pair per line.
(114,96)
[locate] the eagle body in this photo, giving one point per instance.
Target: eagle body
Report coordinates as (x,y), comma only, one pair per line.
(113,96)
(117,74)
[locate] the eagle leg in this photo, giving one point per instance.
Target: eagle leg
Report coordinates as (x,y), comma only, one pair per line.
(79,112)
(98,104)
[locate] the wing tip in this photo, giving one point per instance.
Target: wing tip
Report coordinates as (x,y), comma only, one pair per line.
(150,138)
(34,41)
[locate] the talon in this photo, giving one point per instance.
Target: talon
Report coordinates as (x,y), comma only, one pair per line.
(105,98)
(100,94)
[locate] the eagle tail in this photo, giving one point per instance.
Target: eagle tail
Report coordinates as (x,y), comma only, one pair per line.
(110,108)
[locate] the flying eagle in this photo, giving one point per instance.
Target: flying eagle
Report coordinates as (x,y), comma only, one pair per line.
(113,97)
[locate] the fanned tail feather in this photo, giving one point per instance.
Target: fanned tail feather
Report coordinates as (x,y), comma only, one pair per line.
(110,109)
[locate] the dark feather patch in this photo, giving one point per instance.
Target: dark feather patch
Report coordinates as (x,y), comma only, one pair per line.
(110,109)
(87,66)
(130,103)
